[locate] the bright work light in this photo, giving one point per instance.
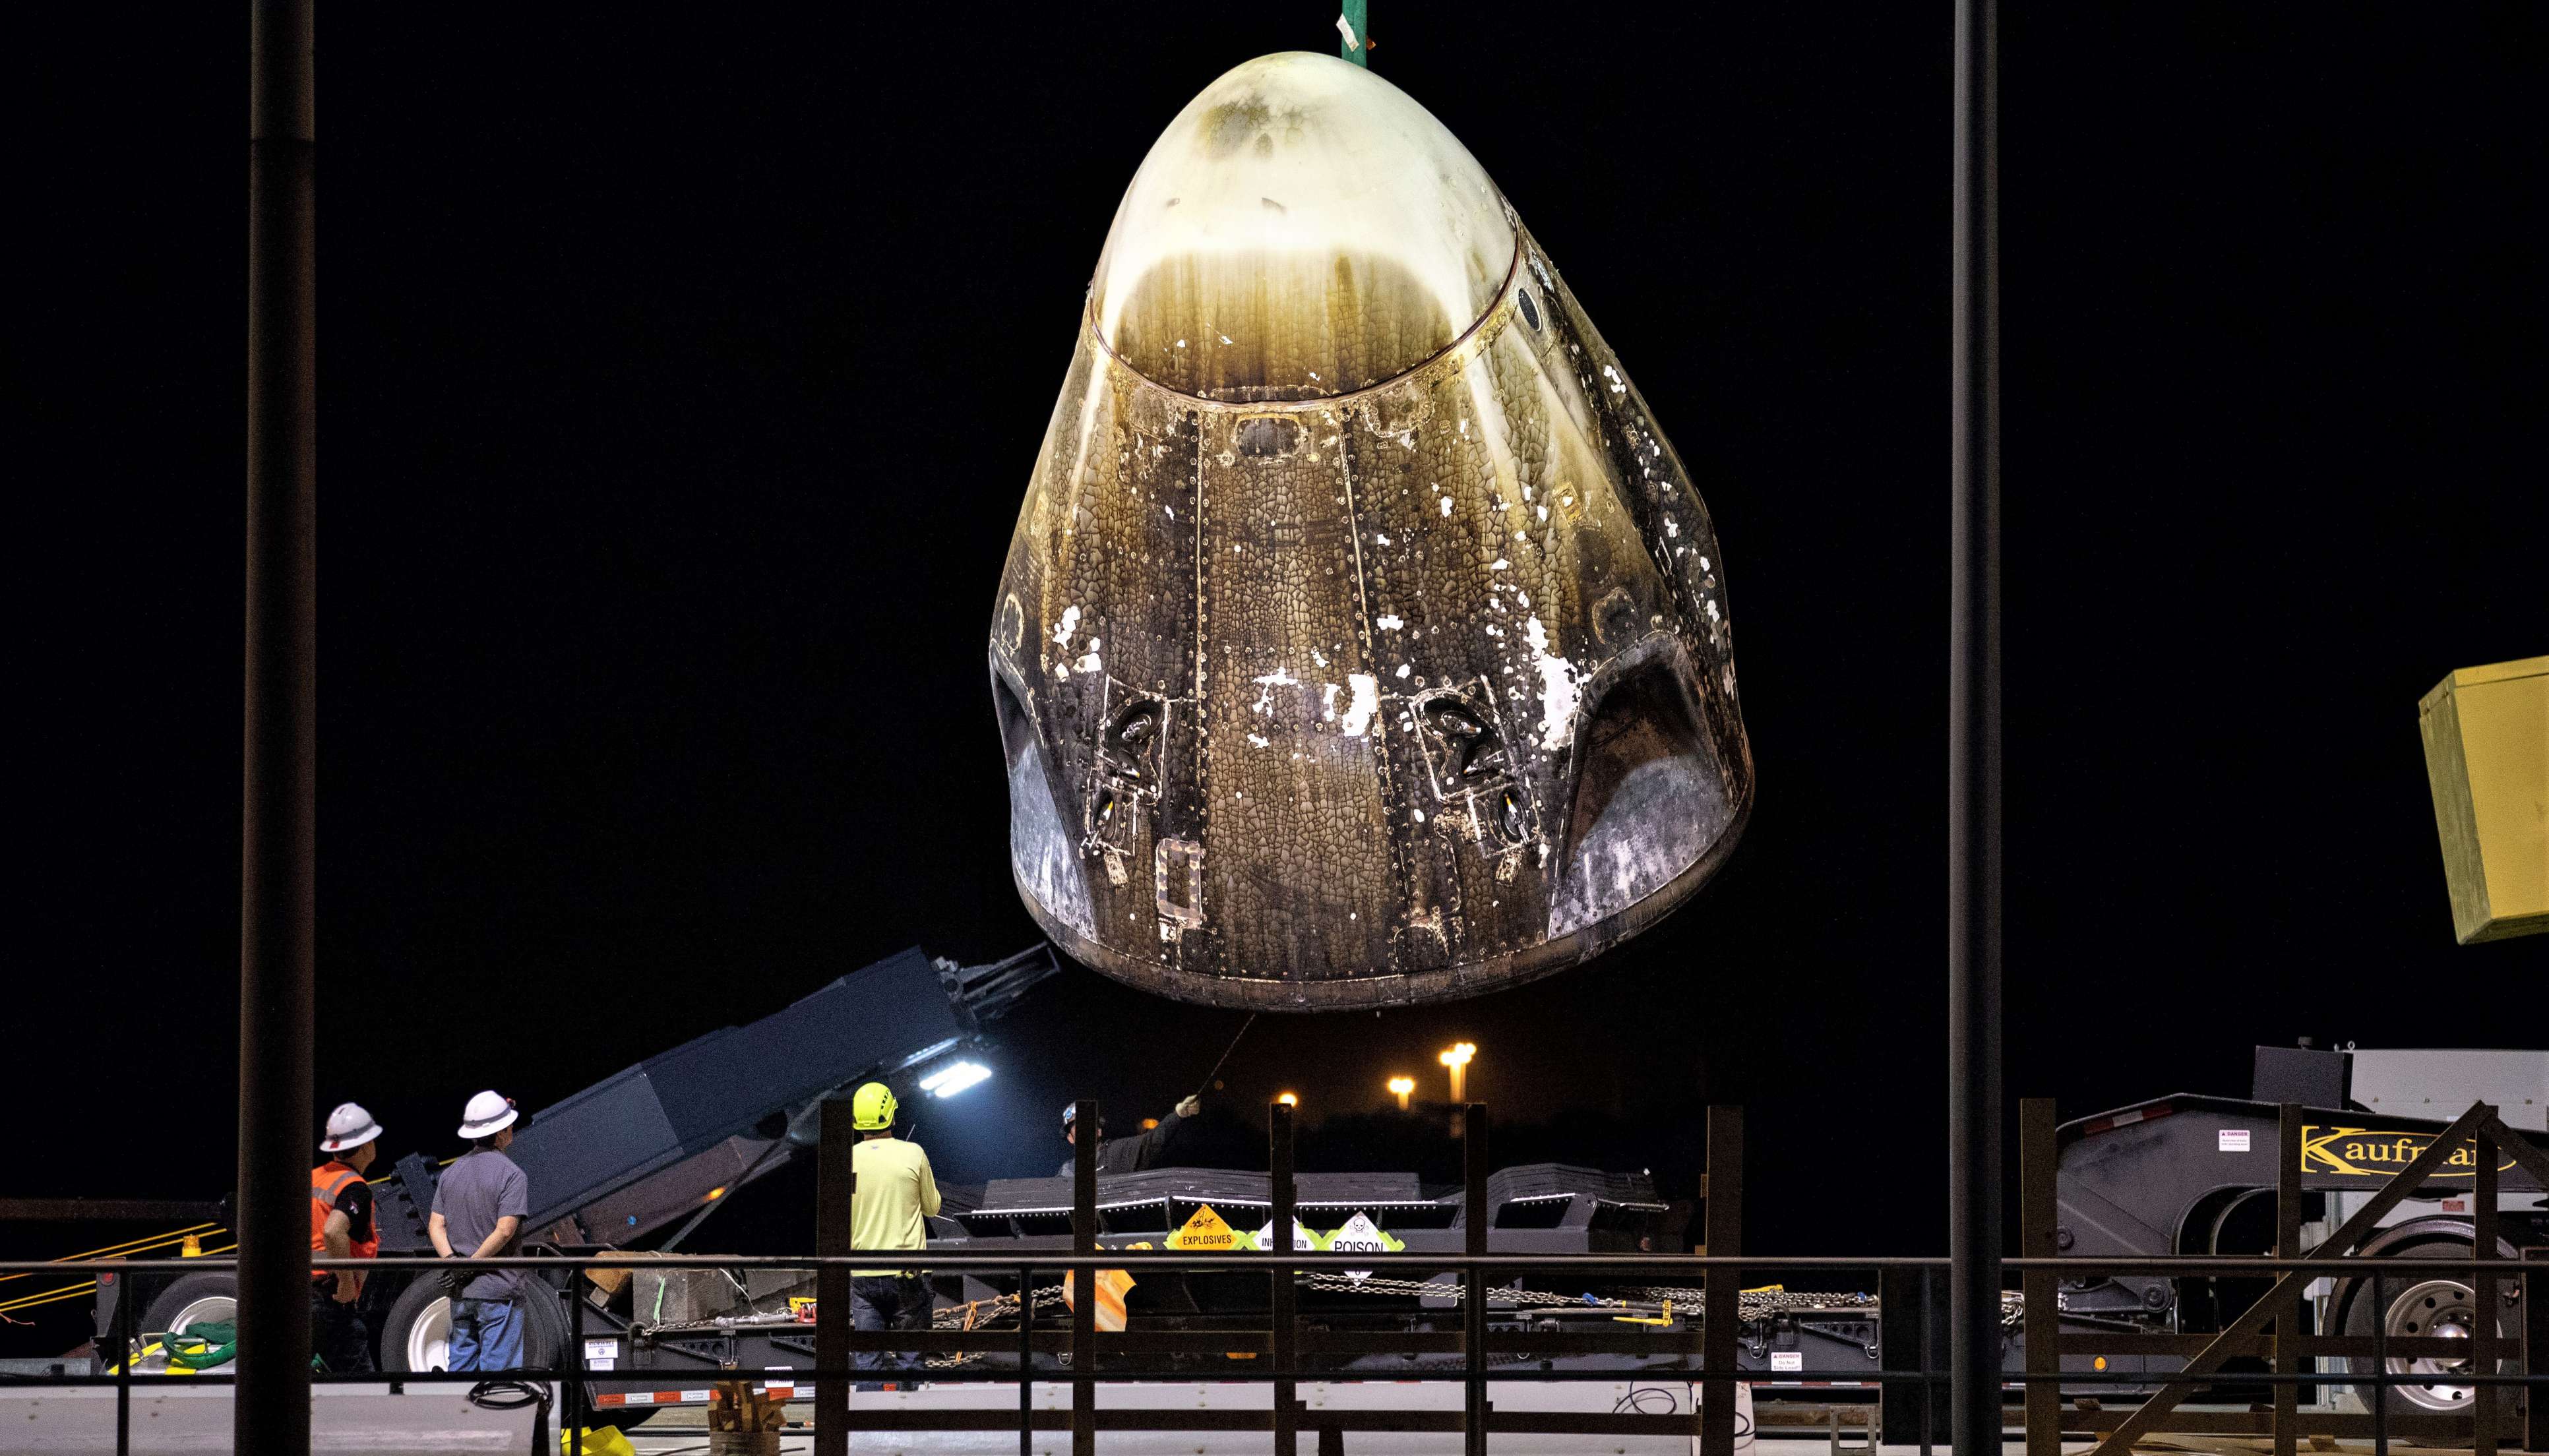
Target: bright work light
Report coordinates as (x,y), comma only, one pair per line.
(954,1077)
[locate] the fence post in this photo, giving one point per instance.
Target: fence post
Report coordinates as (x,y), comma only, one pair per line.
(1084,1305)
(571,1399)
(1473,1280)
(835,1187)
(2291,1327)
(1026,1360)
(1723,1287)
(2483,1333)
(2535,1346)
(2036,1215)
(1287,1419)
(124,1325)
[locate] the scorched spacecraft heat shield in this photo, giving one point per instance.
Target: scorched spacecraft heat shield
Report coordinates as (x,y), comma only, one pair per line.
(1362,641)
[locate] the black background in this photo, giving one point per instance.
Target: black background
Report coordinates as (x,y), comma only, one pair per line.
(678,383)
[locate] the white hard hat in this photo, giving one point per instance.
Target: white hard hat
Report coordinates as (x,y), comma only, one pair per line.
(348,1126)
(489,1112)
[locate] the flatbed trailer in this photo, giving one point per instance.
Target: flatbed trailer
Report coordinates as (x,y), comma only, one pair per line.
(654,1143)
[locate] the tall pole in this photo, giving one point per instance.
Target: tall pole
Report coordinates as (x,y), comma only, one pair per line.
(1973,752)
(278,770)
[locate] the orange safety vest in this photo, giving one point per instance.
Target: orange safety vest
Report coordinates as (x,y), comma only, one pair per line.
(327,1181)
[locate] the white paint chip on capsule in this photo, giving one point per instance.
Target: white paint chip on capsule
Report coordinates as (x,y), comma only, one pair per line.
(1367,703)
(1068,624)
(1556,686)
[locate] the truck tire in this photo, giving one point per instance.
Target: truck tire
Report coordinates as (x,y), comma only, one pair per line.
(417,1336)
(208,1298)
(2420,1306)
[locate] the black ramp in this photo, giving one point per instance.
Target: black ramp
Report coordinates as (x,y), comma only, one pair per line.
(706,1090)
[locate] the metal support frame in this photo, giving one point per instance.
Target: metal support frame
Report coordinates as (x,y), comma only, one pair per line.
(2285,1296)
(279,769)
(835,1194)
(2535,1345)
(2036,1158)
(1083,1309)
(1974,1106)
(1723,1288)
(1284,1306)
(2483,1333)
(2047,1420)
(1473,1304)
(2293,1325)
(571,1413)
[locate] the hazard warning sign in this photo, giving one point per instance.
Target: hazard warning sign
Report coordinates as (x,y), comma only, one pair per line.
(1209,1233)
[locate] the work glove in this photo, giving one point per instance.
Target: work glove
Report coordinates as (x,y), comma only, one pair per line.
(454,1281)
(1189,1107)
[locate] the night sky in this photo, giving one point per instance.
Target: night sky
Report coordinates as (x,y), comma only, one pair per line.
(678,386)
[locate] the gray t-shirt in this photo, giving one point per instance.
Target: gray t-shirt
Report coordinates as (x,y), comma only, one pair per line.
(481,1187)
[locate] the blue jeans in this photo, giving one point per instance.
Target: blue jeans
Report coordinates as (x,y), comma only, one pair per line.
(879,1301)
(486,1334)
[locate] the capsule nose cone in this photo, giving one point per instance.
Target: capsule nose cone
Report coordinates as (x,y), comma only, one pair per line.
(1303,228)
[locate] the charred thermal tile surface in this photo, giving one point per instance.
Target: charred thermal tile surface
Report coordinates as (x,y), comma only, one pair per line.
(1362,640)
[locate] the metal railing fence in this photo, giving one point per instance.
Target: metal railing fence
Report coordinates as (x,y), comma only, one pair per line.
(1714,1342)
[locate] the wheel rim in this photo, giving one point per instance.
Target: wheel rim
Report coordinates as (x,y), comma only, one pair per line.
(2438,1308)
(429,1338)
(211,1309)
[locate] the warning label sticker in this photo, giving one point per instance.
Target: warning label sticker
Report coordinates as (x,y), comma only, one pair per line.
(1304,1241)
(2235,1140)
(1208,1231)
(1362,1235)
(1787,1359)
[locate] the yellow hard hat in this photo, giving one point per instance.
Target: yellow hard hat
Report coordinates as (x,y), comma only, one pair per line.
(871,1107)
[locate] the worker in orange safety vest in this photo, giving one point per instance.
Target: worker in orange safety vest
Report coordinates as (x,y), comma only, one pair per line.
(341,1227)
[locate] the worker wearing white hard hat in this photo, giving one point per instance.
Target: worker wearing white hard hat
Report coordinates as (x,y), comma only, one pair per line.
(342,1227)
(480,1205)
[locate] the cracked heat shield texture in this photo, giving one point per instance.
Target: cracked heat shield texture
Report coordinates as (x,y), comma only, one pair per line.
(1362,641)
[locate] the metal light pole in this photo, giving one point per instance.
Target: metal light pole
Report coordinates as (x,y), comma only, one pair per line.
(1973,752)
(278,770)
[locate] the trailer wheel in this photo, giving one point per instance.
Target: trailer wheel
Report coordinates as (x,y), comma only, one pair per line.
(417,1332)
(2425,1306)
(208,1298)
(417,1336)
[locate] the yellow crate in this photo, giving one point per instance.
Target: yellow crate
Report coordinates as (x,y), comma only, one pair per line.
(2487,759)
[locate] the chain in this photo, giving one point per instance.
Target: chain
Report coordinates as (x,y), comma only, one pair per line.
(1753,1304)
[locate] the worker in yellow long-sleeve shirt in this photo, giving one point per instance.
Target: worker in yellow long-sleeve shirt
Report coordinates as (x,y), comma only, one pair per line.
(896,1195)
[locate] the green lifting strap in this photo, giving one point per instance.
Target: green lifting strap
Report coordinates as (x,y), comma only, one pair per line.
(1353,32)
(217,1343)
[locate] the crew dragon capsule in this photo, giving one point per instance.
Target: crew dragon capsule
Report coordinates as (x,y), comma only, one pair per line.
(1362,641)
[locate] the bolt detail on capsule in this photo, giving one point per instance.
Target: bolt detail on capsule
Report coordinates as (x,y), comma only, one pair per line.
(1362,641)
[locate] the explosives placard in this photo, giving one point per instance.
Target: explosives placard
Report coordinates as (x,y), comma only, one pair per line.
(1209,1232)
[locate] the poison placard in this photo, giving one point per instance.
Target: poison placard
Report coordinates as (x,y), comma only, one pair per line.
(1362,1235)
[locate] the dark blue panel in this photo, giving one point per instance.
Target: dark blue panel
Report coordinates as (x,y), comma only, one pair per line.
(612,1134)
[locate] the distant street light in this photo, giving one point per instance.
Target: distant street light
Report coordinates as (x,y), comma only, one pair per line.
(1287,1099)
(1458,1060)
(1402,1086)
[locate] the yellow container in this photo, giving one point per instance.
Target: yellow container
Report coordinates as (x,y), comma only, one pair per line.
(2487,759)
